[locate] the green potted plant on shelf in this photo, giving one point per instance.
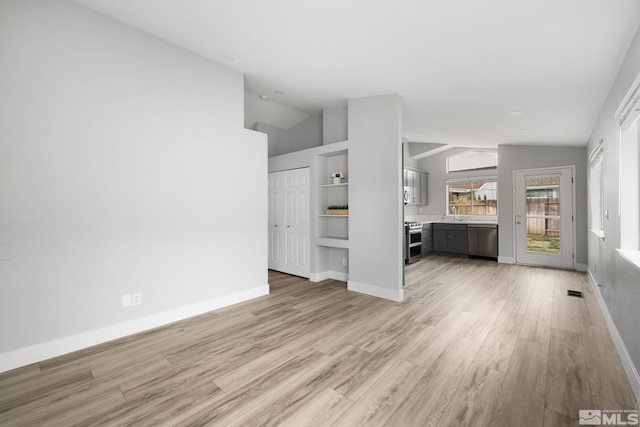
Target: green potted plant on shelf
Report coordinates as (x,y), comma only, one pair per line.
(337,177)
(338,210)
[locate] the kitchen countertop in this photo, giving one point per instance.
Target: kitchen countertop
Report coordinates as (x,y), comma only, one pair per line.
(467,222)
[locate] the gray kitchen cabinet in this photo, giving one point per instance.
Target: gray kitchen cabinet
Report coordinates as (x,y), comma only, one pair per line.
(450,238)
(416,184)
(427,239)
(440,240)
(424,187)
(411,183)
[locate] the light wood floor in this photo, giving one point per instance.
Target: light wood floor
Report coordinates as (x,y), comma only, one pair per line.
(474,343)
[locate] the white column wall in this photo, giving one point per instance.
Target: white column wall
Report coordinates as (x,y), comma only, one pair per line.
(375,196)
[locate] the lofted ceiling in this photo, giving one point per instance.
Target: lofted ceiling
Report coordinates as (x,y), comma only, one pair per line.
(470,73)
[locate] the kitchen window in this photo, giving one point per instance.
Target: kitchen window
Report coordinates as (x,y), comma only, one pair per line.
(473,160)
(472,196)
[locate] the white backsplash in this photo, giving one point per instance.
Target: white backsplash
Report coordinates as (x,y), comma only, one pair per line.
(424,218)
(449,218)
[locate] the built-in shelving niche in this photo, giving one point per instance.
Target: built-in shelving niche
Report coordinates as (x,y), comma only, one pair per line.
(332,231)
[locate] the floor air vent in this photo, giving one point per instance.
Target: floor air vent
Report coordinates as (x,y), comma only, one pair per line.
(574,293)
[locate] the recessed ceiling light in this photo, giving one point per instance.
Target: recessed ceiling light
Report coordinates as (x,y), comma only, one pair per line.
(515,113)
(279,92)
(263,97)
(525,130)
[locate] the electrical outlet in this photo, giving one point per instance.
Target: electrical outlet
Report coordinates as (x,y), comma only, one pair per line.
(344,261)
(126,301)
(136,299)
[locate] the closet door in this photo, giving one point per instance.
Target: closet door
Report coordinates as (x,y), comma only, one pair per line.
(289,226)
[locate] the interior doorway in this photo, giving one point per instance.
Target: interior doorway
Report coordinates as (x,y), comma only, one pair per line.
(544,219)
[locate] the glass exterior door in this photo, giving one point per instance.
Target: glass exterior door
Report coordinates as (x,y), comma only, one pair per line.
(544,217)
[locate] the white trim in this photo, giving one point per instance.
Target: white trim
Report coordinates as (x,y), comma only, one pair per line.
(376,291)
(506,260)
(630,100)
(631,256)
(627,363)
(319,276)
(574,214)
(596,156)
(338,275)
(329,274)
(38,352)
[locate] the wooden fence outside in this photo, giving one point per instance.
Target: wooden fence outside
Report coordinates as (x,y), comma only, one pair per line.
(480,207)
(543,226)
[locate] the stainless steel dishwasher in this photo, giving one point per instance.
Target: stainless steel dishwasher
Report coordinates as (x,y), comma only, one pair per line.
(482,240)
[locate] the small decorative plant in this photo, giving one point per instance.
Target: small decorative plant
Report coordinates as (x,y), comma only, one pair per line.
(337,177)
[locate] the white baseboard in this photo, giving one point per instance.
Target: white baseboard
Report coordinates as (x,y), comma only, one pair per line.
(339,275)
(329,274)
(506,260)
(319,277)
(376,291)
(581,267)
(36,353)
(627,363)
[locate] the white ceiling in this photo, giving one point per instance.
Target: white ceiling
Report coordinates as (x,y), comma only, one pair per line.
(460,65)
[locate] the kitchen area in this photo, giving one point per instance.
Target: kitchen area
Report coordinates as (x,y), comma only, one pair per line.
(444,237)
(468,226)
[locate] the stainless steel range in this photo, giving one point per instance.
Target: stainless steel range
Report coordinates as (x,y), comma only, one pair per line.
(413,241)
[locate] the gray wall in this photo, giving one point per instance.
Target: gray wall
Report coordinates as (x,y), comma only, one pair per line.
(375,196)
(620,286)
(515,157)
(406,153)
(418,148)
(277,138)
(119,174)
(334,124)
(304,135)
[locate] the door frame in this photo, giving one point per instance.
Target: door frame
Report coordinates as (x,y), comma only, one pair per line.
(306,272)
(573,210)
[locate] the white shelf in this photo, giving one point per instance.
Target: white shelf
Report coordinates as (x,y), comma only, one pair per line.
(342,184)
(333,242)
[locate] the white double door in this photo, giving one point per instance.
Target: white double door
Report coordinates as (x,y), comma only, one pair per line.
(289,222)
(544,219)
